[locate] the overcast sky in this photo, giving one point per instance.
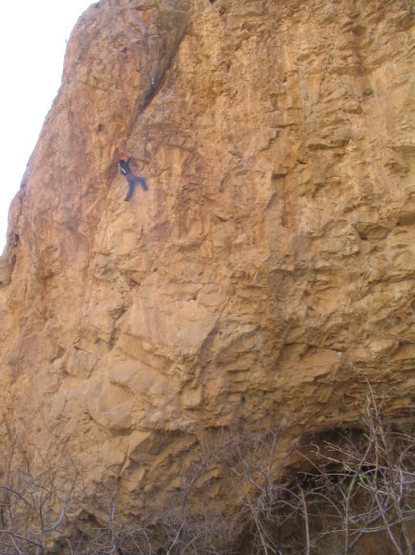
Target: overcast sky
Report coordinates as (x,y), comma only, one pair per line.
(33,36)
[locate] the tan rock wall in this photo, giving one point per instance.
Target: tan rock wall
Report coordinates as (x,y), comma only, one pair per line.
(265,274)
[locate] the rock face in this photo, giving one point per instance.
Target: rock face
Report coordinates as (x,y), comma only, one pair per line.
(268,271)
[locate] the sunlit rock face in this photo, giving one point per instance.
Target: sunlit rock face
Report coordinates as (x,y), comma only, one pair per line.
(266,274)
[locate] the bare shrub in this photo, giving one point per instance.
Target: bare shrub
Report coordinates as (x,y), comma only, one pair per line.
(112,536)
(368,481)
(358,484)
(32,504)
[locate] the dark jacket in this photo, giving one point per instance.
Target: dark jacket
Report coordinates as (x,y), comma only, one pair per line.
(125,167)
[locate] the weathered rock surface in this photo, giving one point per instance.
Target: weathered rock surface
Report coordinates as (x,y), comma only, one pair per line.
(266,273)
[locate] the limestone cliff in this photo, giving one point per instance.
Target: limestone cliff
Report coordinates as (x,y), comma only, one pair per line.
(266,273)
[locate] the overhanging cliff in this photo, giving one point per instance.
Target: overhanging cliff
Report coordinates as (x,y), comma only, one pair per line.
(266,274)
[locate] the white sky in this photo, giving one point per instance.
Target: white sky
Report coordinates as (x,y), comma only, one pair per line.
(33,36)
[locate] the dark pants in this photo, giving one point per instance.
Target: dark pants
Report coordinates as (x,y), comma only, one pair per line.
(132,182)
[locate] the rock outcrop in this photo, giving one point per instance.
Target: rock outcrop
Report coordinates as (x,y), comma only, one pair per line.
(266,274)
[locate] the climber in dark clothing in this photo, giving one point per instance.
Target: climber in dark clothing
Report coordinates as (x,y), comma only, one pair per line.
(132,179)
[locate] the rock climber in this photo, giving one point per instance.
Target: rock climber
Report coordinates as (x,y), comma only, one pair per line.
(132,179)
